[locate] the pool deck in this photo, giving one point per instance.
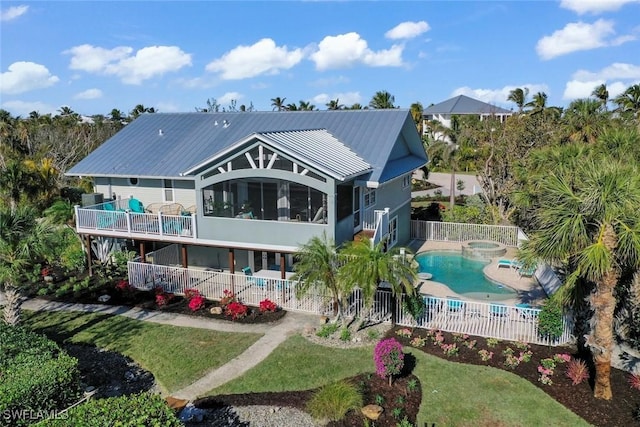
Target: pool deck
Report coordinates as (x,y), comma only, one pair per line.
(527,288)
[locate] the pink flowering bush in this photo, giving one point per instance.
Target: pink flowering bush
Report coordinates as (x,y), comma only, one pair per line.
(236,310)
(406,333)
(228,297)
(389,358)
(196,303)
(162,298)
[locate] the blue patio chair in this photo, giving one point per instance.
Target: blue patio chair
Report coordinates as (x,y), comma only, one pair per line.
(498,309)
(136,206)
(455,304)
(258,281)
(526,311)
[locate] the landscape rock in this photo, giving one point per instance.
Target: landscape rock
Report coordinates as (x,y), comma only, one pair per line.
(216,310)
(372,411)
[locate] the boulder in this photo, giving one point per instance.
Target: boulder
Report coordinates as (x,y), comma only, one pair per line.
(372,411)
(216,310)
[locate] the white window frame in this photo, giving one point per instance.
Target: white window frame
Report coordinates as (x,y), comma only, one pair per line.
(369,197)
(393,231)
(164,191)
(406,181)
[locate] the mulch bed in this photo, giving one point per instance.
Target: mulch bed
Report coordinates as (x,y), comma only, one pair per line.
(578,398)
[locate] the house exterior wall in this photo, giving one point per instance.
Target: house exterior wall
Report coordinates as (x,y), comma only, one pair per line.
(404,223)
(147,190)
(206,256)
(392,194)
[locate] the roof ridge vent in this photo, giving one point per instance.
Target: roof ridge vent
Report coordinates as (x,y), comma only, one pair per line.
(225,123)
(160,133)
(215,123)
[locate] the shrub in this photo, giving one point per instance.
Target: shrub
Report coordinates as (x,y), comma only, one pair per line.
(389,358)
(327,330)
(196,303)
(37,376)
(418,342)
(404,332)
(333,401)
(163,298)
(485,355)
(143,409)
(227,298)
(267,305)
(634,381)
(345,334)
(550,320)
(191,293)
(577,370)
(236,310)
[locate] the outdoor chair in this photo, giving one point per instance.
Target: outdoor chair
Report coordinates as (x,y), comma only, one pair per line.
(526,311)
(251,279)
(498,310)
(509,263)
(454,304)
(136,206)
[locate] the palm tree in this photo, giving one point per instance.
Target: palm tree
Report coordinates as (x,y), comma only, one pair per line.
(369,265)
(278,104)
(15,182)
(538,104)
(140,109)
(334,104)
(306,106)
(291,107)
(584,120)
(316,268)
(601,94)
(116,115)
(629,101)
(24,241)
(356,106)
(519,97)
(588,221)
(382,100)
(416,113)
(447,150)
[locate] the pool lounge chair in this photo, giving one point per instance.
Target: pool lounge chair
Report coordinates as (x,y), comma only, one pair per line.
(498,310)
(455,304)
(509,263)
(252,280)
(136,206)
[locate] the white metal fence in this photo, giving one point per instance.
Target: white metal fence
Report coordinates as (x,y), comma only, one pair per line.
(459,232)
(468,317)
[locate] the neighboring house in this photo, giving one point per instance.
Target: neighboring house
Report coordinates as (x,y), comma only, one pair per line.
(461,106)
(236,189)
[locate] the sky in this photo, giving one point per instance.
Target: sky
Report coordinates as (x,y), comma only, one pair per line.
(94,56)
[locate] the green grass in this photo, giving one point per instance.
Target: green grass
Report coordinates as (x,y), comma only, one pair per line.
(455,394)
(176,356)
(298,364)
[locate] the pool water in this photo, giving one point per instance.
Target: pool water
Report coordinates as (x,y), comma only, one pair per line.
(462,275)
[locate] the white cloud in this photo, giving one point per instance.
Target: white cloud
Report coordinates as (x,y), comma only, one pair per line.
(263,57)
(23,108)
(225,100)
(25,76)
(498,96)
(346,50)
(407,30)
(594,6)
(131,68)
(578,36)
(89,94)
(617,76)
(345,98)
(13,12)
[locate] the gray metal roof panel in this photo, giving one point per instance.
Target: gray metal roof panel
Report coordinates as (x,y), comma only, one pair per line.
(188,139)
(464,105)
(320,148)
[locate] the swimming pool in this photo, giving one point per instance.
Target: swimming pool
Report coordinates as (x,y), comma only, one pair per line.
(462,275)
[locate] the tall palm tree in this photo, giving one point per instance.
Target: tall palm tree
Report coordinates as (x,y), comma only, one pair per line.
(140,109)
(519,97)
(368,265)
(447,150)
(601,93)
(278,104)
(629,101)
(538,104)
(416,113)
(306,106)
(356,106)
(316,269)
(16,181)
(382,100)
(334,104)
(588,221)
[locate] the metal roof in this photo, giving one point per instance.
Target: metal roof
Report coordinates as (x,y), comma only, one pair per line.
(320,149)
(169,144)
(464,105)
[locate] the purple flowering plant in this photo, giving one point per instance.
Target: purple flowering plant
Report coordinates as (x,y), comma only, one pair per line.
(389,358)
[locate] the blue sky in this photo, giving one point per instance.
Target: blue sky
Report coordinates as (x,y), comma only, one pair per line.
(173,56)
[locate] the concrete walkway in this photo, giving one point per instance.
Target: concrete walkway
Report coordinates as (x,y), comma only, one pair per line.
(274,335)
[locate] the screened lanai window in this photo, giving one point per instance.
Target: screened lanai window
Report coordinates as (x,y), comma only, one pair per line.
(266,199)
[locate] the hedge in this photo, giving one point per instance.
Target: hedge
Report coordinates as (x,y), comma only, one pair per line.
(37,377)
(137,410)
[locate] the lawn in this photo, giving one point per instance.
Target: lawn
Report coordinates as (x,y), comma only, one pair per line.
(177,356)
(453,394)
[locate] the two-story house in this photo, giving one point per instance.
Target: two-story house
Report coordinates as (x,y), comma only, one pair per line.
(248,189)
